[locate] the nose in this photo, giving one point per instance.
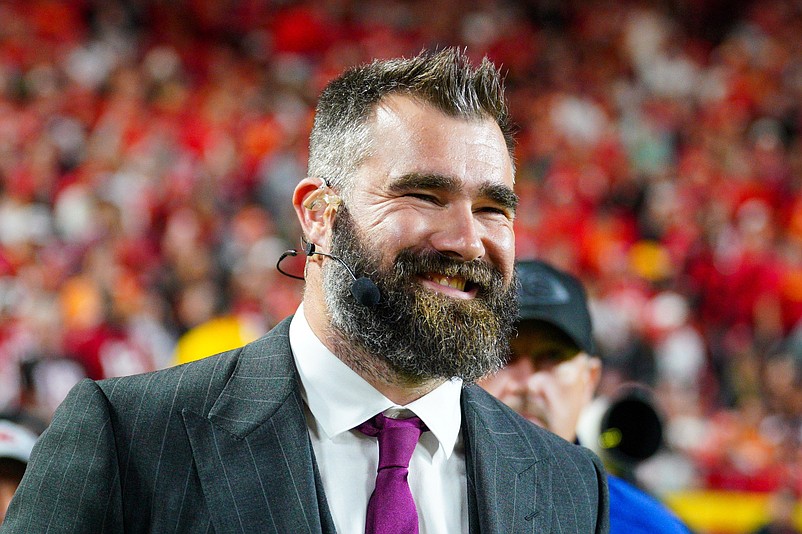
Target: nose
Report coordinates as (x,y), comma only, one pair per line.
(518,374)
(460,235)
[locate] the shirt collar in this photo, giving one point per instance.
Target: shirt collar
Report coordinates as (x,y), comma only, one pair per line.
(340,399)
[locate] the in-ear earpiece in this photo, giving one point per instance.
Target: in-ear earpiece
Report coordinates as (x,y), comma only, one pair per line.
(321,197)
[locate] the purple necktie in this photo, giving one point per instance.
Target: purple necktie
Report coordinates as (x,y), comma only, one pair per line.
(391,509)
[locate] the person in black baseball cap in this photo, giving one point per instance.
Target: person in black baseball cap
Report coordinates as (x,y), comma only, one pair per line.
(553,375)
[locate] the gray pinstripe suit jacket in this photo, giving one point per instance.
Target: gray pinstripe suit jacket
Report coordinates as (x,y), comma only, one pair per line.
(221,445)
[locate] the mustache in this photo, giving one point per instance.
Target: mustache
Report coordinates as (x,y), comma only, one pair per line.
(476,273)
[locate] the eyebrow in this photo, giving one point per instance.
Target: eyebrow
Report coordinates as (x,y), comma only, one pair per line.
(416,180)
(500,194)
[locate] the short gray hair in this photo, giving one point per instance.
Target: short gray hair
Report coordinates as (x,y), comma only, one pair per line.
(445,79)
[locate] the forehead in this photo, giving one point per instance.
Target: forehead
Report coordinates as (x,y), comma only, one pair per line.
(410,136)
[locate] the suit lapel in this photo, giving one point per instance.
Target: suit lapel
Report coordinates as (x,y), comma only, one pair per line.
(509,490)
(254,458)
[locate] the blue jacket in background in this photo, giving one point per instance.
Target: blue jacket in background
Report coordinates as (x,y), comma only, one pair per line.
(633,511)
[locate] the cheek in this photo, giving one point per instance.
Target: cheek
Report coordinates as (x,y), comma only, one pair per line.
(402,231)
(506,246)
(495,384)
(499,242)
(394,229)
(570,374)
(510,382)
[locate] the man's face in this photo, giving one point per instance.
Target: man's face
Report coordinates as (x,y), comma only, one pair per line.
(546,383)
(429,219)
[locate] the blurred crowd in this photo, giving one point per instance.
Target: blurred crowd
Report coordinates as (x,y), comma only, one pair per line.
(148,151)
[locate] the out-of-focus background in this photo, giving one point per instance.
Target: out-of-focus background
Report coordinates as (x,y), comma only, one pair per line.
(148,149)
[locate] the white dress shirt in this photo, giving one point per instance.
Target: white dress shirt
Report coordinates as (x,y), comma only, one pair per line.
(337,400)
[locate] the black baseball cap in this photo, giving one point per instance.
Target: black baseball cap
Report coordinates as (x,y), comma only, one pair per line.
(555,297)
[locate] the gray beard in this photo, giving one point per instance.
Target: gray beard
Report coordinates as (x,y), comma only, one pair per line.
(419,334)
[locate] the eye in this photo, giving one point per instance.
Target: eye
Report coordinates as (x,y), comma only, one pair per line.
(496,210)
(490,209)
(550,357)
(425,197)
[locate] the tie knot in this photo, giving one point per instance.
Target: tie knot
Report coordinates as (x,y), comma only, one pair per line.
(397,438)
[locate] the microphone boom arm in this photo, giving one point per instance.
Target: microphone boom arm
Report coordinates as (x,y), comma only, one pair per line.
(362,289)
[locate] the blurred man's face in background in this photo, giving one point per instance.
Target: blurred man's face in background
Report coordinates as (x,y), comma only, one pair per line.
(548,380)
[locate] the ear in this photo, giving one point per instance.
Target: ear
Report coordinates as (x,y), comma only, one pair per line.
(315,210)
(594,373)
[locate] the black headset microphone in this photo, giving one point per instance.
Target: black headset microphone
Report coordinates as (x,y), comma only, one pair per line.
(363,289)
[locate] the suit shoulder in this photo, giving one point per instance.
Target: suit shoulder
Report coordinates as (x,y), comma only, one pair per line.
(486,403)
(493,430)
(211,372)
(203,378)
(540,439)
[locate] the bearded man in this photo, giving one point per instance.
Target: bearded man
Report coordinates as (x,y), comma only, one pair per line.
(356,414)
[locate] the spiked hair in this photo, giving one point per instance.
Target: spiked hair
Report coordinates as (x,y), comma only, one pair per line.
(446,80)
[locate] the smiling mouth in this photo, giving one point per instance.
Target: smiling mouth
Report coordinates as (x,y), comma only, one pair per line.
(454,286)
(455,282)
